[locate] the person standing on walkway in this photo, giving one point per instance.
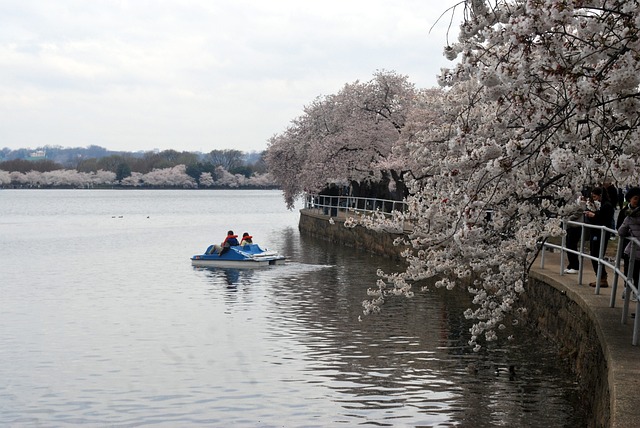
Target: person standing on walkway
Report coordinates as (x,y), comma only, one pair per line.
(612,192)
(621,198)
(630,227)
(600,213)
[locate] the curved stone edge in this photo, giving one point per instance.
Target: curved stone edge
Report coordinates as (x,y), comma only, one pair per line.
(590,334)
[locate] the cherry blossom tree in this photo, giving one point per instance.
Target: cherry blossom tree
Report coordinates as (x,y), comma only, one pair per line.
(134,180)
(206,179)
(342,138)
(286,158)
(60,178)
(225,179)
(261,181)
(33,178)
(542,104)
(17,177)
(428,112)
(103,177)
(5,177)
(172,177)
(65,178)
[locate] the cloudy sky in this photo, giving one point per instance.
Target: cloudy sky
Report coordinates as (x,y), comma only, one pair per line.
(197,75)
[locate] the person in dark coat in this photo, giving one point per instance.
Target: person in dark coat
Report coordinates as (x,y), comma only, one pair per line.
(630,227)
(612,193)
(600,212)
(229,241)
(621,198)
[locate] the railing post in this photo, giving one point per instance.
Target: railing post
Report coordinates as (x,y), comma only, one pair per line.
(603,243)
(636,324)
(628,285)
(581,256)
(616,275)
(564,246)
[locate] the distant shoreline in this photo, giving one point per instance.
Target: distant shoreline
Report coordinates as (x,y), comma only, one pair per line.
(135,188)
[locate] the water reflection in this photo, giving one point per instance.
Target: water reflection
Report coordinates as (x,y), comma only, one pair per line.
(286,242)
(230,276)
(411,363)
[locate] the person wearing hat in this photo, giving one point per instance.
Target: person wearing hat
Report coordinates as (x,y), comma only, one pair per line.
(630,227)
(631,192)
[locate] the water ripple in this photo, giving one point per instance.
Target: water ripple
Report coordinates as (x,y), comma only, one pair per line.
(113,337)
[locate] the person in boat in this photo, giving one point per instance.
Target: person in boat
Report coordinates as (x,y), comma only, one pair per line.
(230,240)
(246,239)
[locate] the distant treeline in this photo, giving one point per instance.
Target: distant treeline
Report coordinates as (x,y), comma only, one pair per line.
(136,169)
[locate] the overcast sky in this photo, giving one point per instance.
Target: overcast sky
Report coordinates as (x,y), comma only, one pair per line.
(197,75)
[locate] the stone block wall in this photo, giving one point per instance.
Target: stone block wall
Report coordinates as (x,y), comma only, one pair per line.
(566,324)
(320,226)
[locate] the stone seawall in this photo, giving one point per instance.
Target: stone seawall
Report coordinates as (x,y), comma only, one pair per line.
(569,325)
(552,310)
(313,223)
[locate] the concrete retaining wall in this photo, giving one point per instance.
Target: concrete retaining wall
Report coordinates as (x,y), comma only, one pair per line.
(318,225)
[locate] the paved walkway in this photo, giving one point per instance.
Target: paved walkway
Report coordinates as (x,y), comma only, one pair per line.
(623,359)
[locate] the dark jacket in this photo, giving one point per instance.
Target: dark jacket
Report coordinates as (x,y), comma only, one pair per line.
(231,241)
(603,217)
(612,192)
(630,227)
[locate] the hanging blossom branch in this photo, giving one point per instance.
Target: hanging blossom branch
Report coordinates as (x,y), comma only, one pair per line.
(500,170)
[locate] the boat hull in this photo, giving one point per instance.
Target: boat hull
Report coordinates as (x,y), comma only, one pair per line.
(237,263)
(248,256)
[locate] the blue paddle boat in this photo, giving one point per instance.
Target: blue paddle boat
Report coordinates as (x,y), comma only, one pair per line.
(239,256)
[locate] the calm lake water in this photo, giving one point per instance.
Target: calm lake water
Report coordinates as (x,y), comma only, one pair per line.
(104,322)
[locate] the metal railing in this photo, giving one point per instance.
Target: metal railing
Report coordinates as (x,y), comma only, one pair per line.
(332,205)
(630,288)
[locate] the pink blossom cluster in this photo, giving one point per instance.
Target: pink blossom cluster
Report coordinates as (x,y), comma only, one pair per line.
(543,103)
